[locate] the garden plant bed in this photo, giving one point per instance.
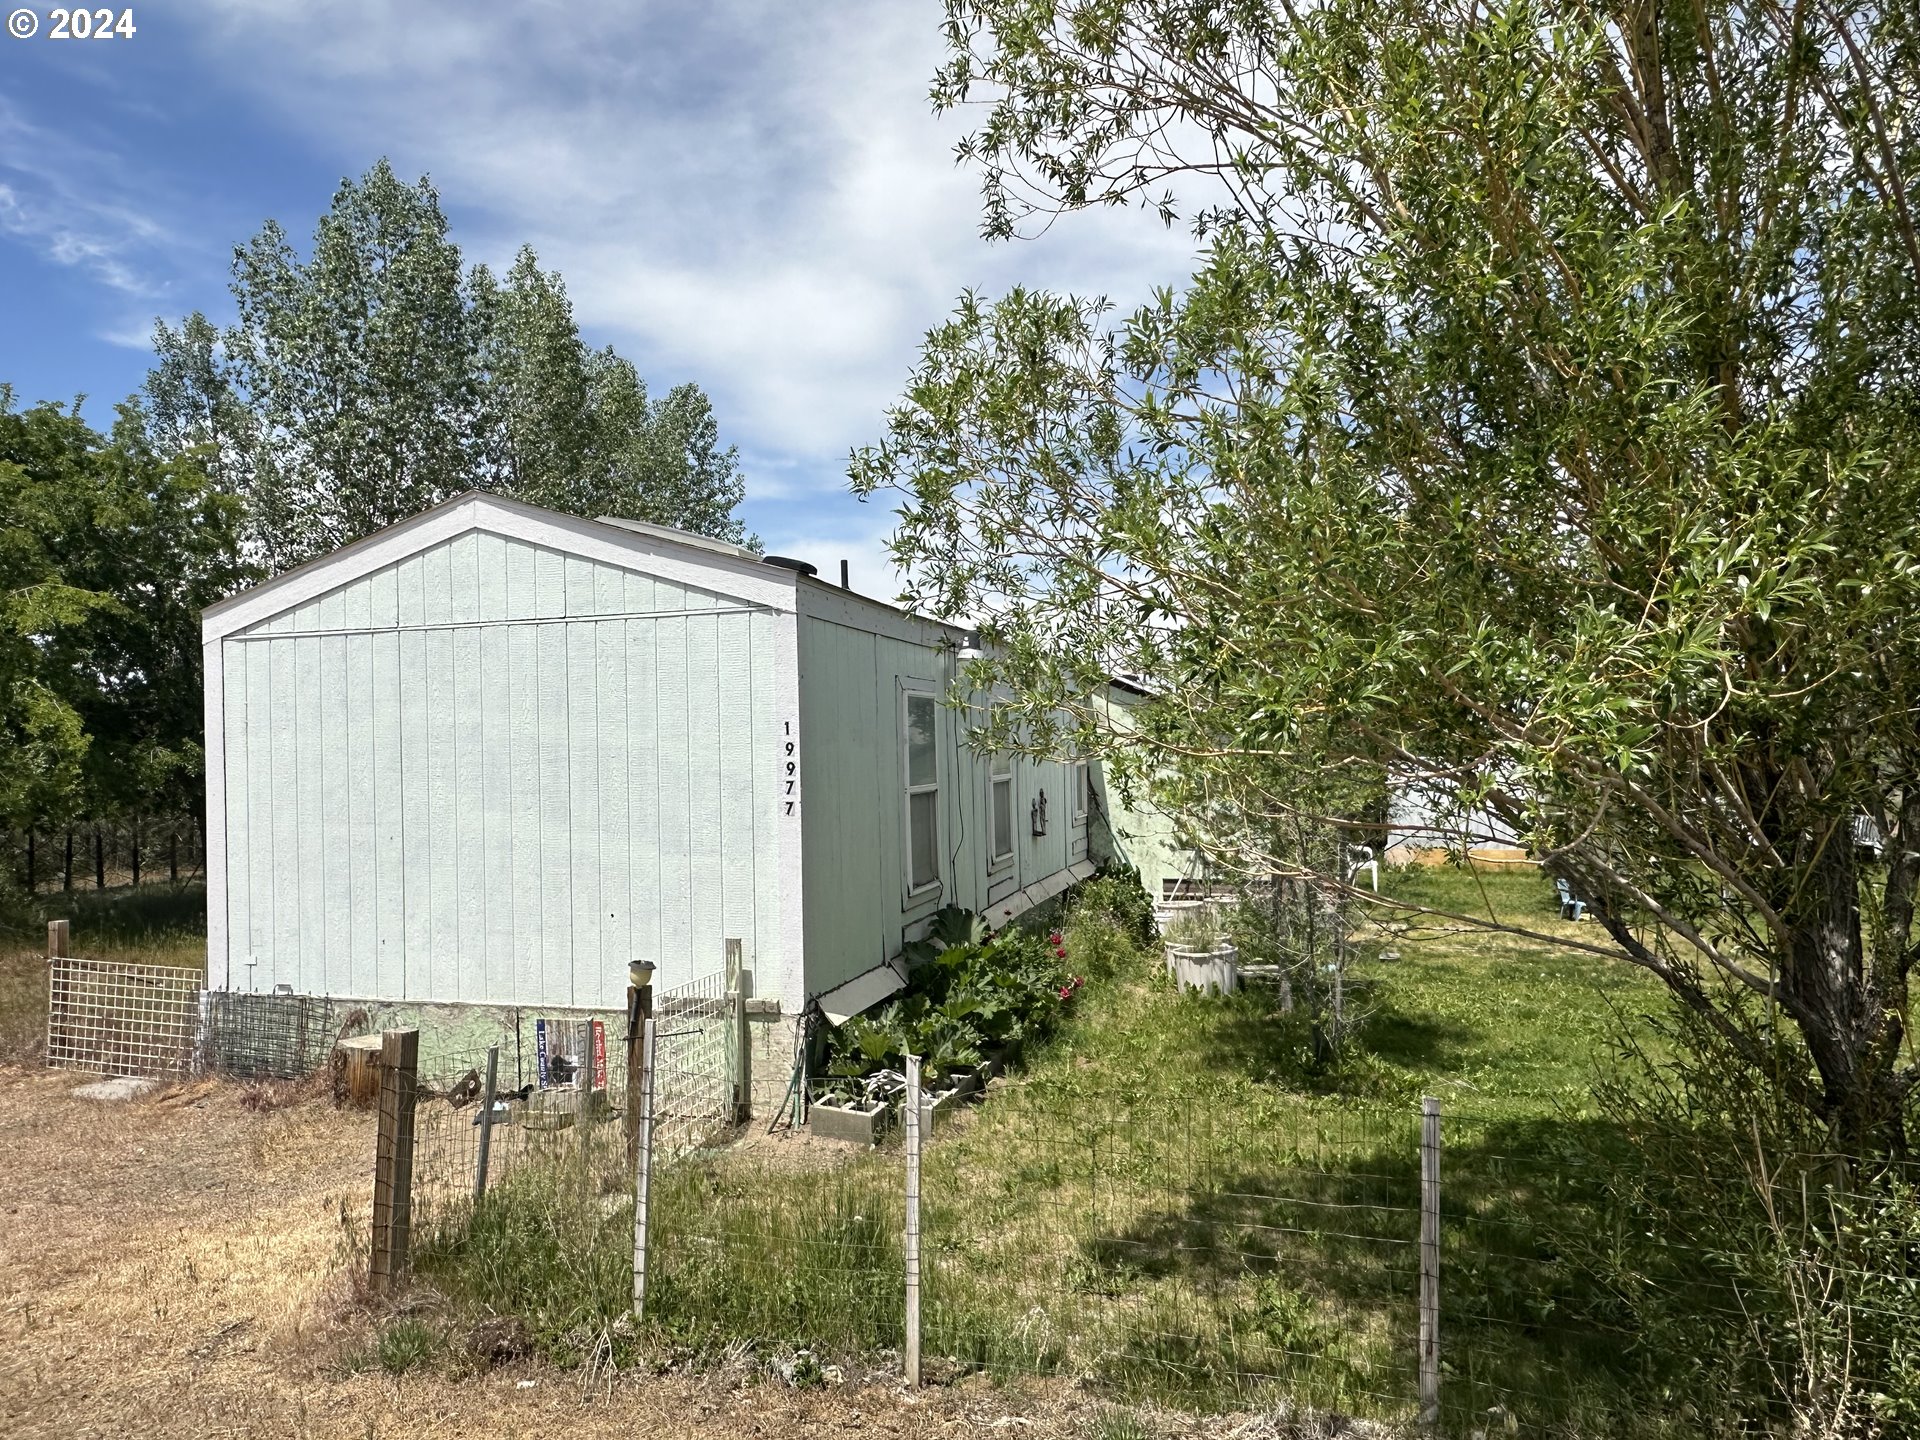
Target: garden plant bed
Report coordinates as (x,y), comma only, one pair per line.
(971,1003)
(866,1122)
(857,1124)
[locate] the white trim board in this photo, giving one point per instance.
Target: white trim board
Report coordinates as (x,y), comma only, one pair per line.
(682,562)
(1006,911)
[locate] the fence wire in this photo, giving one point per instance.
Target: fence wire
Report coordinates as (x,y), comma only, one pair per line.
(549,1135)
(117,1018)
(276,1037)
(1178,1252)
(694,1067)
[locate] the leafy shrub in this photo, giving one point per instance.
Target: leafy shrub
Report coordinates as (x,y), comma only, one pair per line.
(1114,894)
(1758,1266)
(969,994)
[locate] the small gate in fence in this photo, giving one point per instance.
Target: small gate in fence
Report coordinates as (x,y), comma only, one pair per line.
(694,1067)
(117,1018)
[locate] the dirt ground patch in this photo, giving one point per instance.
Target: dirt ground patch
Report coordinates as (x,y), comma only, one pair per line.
(175,1266)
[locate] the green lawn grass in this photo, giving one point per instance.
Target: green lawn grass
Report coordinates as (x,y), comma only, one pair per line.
(1175,1199)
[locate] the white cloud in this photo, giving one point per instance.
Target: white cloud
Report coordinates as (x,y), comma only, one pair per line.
(755,197)
(54,197)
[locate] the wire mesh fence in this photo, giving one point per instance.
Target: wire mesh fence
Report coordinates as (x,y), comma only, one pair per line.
(559,1127)
(695,1066)
(555,1107)
(276,1037)
(1176,1252)
(118,1018)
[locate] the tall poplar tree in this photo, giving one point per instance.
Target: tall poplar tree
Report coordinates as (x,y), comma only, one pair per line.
(376,376)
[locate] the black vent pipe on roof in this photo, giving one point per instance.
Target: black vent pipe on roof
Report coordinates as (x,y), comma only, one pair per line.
(787,563)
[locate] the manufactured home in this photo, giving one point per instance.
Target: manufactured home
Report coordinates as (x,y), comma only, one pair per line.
(490,756)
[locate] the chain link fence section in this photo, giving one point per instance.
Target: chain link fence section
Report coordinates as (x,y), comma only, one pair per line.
(114,1017)
(693,1069)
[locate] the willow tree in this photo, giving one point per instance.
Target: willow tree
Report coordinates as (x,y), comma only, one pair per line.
(1539,424)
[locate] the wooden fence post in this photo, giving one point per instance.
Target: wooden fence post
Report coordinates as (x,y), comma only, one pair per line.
(486,1123)
(643,1170)
(57,935)
(1430,1262)
(393,1160)
(913,1118)
(738,984)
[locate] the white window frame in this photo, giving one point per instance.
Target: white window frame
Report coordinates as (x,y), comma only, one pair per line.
(914,893)
(1000,772)
(1082,783)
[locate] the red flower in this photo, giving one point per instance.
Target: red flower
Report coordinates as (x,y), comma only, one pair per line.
(1053,938)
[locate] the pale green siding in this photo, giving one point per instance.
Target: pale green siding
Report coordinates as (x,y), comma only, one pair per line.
(856,659)
(1138,834)
(492,772)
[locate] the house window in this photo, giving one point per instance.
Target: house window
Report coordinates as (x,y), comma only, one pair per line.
(1081,786)
(1000,795)
(923,793)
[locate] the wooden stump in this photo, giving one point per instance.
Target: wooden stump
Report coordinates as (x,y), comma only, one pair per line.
(356,1064)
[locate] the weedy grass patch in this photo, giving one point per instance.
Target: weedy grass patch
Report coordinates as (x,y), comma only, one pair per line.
(1174,1196)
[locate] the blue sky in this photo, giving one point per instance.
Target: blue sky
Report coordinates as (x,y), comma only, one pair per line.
(753,197)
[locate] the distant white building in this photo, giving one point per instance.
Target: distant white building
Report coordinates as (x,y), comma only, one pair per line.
(1424,828)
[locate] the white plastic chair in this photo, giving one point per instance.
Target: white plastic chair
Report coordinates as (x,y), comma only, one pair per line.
(1363,857)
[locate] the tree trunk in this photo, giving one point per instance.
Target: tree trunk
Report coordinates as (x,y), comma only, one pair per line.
(66,869)
(1852,1030)
(99,859)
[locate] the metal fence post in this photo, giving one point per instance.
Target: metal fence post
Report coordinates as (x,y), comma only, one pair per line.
(643,1170)
(639,1010)
(913,1221)
(486,1122)
(1430,1261)
(393,1159)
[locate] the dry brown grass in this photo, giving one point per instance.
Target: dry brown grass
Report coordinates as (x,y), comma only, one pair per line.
(23,1007)
(173,1266)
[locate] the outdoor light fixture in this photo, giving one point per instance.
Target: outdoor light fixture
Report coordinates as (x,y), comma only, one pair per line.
(1038,812)
(639,973)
